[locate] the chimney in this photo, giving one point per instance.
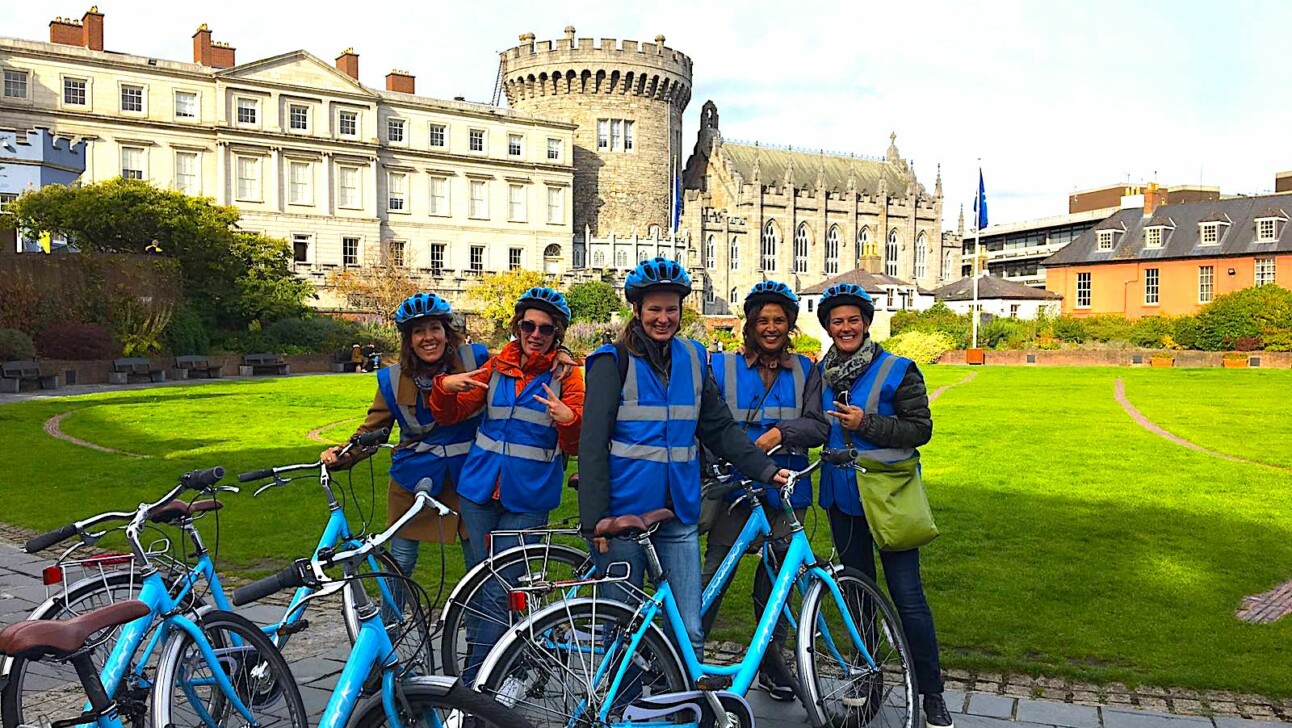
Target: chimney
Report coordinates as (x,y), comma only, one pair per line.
(401,81)
(92,24)
(1154,197)
(207,52)
(348,63)
(66,31)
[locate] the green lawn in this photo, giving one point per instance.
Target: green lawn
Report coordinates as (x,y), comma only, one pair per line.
(1074,542)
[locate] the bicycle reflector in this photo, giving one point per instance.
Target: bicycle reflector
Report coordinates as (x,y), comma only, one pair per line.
(51,575)
(517,601)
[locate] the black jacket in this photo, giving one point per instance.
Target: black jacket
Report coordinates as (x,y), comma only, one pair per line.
(912,423)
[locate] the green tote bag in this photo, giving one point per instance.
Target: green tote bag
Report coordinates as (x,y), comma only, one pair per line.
(897,509)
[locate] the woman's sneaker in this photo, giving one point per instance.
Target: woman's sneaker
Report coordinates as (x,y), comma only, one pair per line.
(936,714)
(778,690)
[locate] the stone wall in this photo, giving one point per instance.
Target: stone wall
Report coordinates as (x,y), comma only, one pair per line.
(96,372)
(1117,358)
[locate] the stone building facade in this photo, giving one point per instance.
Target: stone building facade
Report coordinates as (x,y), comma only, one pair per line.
(755,212)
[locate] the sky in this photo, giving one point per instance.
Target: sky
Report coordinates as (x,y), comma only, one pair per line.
(1047,97)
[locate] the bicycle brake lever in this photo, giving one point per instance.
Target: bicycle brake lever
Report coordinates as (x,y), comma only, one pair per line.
(264,488)
(229,488)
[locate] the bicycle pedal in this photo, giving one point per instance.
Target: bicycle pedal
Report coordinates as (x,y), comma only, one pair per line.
(288,630)
(713,683)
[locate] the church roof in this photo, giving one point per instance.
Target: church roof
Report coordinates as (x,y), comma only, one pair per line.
(772,163)
(870,282)
(991,287)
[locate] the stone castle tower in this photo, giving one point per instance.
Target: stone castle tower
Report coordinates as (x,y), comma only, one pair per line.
(627,99)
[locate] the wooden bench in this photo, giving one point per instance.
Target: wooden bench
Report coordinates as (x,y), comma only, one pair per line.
(14,373)
(253,364)
(195,365)
(343,362)
(135,366)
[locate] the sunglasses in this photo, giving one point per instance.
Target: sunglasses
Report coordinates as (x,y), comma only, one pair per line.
(528,327)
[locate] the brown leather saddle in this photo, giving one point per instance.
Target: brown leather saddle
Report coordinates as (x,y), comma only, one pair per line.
(37,638)
(629,526)
(178,509)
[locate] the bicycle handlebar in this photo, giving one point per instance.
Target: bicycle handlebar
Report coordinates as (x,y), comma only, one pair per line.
(291,577)
(255,475)
(201,479)
(371,439)
(840,457)
(45,540)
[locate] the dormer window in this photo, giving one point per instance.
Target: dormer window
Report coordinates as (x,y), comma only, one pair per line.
(1267,229)
(1153,236)
(1104,240)
(1208,233)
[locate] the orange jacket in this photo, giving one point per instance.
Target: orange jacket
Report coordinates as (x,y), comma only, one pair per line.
(450,408)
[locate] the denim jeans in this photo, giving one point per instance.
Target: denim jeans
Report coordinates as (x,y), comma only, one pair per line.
(678,548)
(902,573)
(404,551)
(490,620)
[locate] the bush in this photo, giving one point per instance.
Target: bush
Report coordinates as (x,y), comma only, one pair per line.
(76,342)
(585,337)
(593,301)
(187,333)
(921,347)
(806,344)
(1244,314)
(1108,327)
(1150,332)
(385,336)
(310,335)
(1070,329)
(1277,339)
(16,346)
(1184,332)
(937,318)
(19,304)
(1005,333)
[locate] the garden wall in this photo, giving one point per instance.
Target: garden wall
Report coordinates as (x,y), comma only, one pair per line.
(96,372)
(1116,358)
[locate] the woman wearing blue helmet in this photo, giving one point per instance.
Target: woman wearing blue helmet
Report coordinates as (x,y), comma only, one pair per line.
(650,396)
(775,396)
(879,405)
(429,346)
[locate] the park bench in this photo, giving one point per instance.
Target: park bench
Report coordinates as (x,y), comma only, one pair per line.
(14,373)
(253,364)
(135,366)
(189,366)
(343,362)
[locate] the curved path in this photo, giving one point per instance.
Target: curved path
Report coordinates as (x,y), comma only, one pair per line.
(317,433)
(938,392)
(53,430)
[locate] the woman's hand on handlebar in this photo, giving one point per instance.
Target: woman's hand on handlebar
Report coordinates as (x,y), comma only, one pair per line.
(782,476)
(329,456)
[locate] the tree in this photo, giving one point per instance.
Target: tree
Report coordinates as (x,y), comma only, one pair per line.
(593,301)
(376,289)
(497,293)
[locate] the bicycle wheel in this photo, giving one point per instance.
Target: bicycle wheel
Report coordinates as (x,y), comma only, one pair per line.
(479,601)
(840,687)
(187,693)
(403,615)
(430,702)
(555,668)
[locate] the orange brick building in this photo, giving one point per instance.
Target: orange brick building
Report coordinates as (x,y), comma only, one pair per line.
(1173,259)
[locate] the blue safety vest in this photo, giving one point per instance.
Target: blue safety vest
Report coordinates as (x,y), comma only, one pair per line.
(757,409)
(874,390)
(515,448)
(653,447)
(426,448)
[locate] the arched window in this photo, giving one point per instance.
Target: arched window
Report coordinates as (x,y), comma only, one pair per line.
(710,295)
(644,254)
(681,258)
(621,258)
(552,251)
(921,257)
(947,261)
(733,255)
(890,254)
(735,295)
(864,243)
(801,248)
(832,251)
(710,253)
(598,259)
(771,241)
(653,231)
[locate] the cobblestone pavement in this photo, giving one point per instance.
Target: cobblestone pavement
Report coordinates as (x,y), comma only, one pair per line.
(979,700)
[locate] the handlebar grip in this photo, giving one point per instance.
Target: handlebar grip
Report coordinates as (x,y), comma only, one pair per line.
(45,540)
(371,439)
(255,475)
(424,486)
(842,456)
(289,578)
(198,479)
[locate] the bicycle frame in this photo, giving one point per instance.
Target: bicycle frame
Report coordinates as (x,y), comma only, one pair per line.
(372,648)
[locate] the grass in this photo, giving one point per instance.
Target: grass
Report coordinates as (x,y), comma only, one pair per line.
(1074,542)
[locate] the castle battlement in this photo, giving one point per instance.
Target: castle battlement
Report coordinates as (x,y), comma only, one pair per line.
(585,65)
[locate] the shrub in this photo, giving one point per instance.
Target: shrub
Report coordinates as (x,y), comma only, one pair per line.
(806,344)
(1108,327)
(1184,332)
(16,346)
(920,347)
(385,336)
(76,342)
(1277,339)
(1150,332)
(20,304)
(1243,314)
(1004,333)
(585,337)
(187,333)
(592,301)
(310,335)
(938,317)
(1070,329)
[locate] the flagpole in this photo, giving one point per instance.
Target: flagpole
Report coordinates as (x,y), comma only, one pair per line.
(977,223)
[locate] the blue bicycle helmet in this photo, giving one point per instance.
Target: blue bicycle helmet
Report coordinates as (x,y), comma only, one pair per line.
(545,299)
(421,305)
(772,292)
(845,294)
(658,272)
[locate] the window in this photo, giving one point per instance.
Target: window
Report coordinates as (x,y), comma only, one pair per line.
(185,105)
(516,203)
(580,255)
(132,98)
(555,205)
(1150,286)
(1206,283)
(921,257)
(832,251)
(733,253)
(603,135)
(438,134)
(733,295)
(1153,237)
(15,84)
(1013,310)
(628,135)
(864,244)
(771,239)
(5,199)
(477,140)
(513,258)
(247,111)
(811,304)
(1266,229)
(710,295)
(298,117)
(948,259)
(74,92)
(398,189)
(437,258)
(132,162)
(515,146)
(301,248)
(395,131)
(710,253)
(186,173)
(615,135)
(349,251)
(348,182)
(801,249)
(1104,240)
(598,259)
(1083,290)
(300,183)
(477,258)
(479,199)
(248,172)
(1208,233)
(553,150)
(621,258)
(395,249)
(347,123)
(890,254)
(1264,271)
(440,196)
(643,254)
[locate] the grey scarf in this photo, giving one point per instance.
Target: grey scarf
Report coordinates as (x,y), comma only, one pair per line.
(841,370)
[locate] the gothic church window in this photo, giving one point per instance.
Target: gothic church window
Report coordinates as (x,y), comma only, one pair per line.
(890,254)
(801,248)
(734,254)
(771,240)
(921,257)
(832,251)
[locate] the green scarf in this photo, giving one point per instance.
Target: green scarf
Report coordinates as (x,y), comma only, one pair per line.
(842,370)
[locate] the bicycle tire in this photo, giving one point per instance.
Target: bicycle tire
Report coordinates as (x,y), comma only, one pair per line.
(888,692)
(415,650)
(255,667)
(463,603)
(533,659)
(421,696)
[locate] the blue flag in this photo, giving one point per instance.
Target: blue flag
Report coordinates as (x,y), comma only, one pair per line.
(677,205)
(980,203)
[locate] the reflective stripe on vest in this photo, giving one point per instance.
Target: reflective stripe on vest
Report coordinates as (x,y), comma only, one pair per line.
(652,453)
(890,454)
(631,410)
(743,415)
(498,412)
(445,451)
(526,452)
